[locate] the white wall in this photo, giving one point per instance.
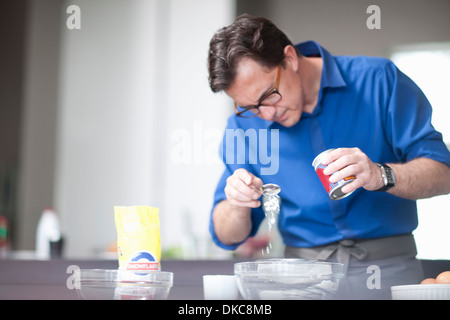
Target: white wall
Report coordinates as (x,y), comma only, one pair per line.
(195,121)
(134,74)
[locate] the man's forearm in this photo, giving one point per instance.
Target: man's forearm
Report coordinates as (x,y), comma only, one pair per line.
(420,178)
(232,225)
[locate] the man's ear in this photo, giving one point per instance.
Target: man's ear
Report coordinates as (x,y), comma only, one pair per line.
(291,57)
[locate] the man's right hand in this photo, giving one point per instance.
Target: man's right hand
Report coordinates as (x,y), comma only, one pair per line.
(242,189)
(232,217)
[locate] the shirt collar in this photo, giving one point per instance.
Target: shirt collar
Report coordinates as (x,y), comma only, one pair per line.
(331,76)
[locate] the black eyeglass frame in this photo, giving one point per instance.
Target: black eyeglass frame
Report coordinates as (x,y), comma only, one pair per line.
(261,101)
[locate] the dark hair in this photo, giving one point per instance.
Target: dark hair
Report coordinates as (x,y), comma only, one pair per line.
(251,37)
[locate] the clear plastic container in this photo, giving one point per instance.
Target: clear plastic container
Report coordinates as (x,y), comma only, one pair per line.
(100,284)
(288,279)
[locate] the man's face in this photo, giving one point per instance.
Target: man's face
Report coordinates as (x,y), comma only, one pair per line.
(253,82)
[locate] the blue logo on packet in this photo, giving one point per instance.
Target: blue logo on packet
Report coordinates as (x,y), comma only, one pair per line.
(143,261)
(144,255)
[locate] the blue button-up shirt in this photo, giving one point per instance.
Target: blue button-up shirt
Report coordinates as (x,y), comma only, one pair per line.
(364,102)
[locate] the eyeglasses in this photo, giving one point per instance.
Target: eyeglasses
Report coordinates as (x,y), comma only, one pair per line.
(267,100)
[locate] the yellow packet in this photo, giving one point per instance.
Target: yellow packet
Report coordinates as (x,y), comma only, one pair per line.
(138,238)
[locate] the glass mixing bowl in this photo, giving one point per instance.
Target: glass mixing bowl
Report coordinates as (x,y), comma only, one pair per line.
(100,284)
(288,279)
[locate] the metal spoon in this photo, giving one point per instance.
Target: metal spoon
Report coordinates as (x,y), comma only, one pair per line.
(270,189)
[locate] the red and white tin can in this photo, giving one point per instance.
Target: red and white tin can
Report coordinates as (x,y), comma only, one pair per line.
(333,188)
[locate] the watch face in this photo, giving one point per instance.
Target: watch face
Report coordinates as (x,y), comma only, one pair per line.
(389,176)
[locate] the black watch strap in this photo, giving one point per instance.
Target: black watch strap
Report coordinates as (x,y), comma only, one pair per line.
(388,176)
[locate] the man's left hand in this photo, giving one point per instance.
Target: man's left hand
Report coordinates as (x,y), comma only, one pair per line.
(345,162)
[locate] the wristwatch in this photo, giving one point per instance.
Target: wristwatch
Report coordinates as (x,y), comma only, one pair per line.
(388,177)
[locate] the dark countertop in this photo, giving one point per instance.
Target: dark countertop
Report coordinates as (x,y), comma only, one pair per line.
(47,280)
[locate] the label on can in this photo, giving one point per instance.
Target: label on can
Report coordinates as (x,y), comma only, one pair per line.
(334,189)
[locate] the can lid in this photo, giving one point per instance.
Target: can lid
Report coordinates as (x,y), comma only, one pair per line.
(320,157)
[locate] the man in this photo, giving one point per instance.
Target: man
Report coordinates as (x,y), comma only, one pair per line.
(374,116)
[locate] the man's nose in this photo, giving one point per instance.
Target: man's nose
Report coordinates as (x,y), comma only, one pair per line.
(267,112)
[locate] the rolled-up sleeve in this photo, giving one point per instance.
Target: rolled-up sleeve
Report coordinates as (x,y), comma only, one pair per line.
(408,121)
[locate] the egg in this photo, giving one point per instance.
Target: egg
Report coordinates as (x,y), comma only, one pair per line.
(443,278)
(428,281)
